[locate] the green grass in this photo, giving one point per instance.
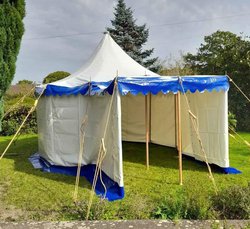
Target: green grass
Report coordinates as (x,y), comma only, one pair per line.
(46,196)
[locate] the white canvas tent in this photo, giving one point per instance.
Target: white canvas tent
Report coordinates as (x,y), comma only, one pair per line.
(109,91)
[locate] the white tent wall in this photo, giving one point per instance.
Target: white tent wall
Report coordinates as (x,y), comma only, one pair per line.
(59,122)
(163,119)
(210,108)
(133,118)
(58,129)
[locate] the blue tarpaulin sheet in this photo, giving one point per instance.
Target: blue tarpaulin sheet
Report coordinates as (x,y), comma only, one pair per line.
(114,191)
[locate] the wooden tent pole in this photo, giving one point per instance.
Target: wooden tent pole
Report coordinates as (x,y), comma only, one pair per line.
(179,140)
(147,131)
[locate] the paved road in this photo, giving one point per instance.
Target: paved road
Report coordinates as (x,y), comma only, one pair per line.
(130,224)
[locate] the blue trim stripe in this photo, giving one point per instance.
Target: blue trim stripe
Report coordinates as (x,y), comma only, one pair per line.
(145,85)
(202,83)
(114,191)
(59,90)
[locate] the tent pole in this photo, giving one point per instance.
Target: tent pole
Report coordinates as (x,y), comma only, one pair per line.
(147,131)
(179,140)
(149,115)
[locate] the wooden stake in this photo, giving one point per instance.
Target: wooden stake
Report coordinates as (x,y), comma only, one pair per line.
(147,130)
(179,140)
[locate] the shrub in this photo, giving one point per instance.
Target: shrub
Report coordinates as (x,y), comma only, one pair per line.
(55,76)
(182,207)
(13,120)
(139,209)
(233,203)
(78,211)
(232,122)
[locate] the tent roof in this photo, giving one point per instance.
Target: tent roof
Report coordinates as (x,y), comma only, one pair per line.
(107,62)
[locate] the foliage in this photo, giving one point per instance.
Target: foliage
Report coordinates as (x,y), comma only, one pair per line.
(13,120)
(24,82)
(175,67)
(227,53)
(232,122)
(181,207)
(132,37)
(19,106)
(17,91)
(233,202)
(11,31)
(79,210)
(54,76)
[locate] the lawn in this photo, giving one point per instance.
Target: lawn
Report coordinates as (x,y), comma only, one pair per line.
(27,193)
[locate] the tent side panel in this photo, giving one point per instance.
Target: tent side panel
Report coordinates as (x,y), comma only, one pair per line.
(45,126)
(186,130)
(133,118)
(63,122)
(163,119)
(112,164)
(98,108)
(211,110)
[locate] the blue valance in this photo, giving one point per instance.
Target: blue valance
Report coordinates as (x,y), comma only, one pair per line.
(145,85)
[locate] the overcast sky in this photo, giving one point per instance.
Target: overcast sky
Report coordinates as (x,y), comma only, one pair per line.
(61,34)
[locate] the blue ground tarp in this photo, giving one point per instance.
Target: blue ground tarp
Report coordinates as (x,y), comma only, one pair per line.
(114,191)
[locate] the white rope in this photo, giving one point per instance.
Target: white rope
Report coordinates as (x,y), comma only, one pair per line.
(231,80)
(17,103)
(242,139)
(101,155)
(82,138)
(194,120)
(20,127)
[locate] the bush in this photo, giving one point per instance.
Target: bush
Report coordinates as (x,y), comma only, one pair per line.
(13,120)
(232,122)
(233,203)
(55,76)
(183,207)
(78,211)
(139,209)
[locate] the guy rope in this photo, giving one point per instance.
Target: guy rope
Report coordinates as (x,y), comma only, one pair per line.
(231,80)
(248,99)
(22,124)
(17,103)
(101,155)
(82,137)
(194,120)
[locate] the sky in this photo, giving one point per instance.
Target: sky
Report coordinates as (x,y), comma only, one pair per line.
(62,34)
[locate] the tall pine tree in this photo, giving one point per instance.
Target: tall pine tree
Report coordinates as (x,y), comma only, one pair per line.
(132,37)
(11,31)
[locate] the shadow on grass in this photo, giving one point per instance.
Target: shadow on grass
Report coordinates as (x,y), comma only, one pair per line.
(160,156)
(21,150)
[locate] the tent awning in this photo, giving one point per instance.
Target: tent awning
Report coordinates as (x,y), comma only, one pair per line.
(145,85)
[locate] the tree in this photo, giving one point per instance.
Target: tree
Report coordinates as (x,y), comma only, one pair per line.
(54,76)
(25,82)
(11,31)
(227,53)
(175,67)
(132,37)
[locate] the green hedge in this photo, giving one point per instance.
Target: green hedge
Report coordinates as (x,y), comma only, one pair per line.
(13,120)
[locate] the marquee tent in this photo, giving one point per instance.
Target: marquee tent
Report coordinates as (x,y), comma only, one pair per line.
(112,99)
